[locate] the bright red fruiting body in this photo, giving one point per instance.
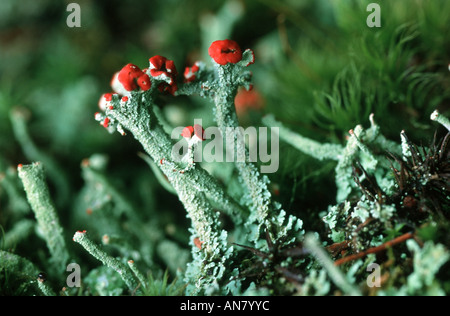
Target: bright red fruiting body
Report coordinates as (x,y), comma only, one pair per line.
(191,132)
(105,100)
(131,78)
(157,65)
(164,69)
(160,65)
(187,132)
(170,66)
(108,96)
(128,76)
(106,122)
(199,131)
(225,51)
(125,99)
(144,82)
(189,73)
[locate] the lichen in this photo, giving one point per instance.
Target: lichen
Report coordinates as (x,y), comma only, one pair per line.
(142,200)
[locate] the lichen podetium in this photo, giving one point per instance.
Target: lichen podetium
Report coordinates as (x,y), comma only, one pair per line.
(131,107)
(33,179)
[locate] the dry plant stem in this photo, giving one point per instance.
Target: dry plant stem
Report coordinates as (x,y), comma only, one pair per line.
(33,179)
(377,249)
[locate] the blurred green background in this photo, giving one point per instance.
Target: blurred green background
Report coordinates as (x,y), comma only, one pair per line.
(319,68)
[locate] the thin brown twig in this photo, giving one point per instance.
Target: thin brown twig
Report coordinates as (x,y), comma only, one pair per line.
(377,249)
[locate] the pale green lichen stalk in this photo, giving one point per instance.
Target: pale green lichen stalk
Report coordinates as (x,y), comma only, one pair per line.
(230,77)
(33,178)
(137,116)
(137,273)
(309,146)
(334,273)
(222,86)
(444,121)
(356,150)
(18,118)
(17,233)
(11,184)
(123,270)
(198,191)
(45,288)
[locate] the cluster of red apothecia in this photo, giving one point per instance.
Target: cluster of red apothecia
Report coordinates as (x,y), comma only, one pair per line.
(132,78)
